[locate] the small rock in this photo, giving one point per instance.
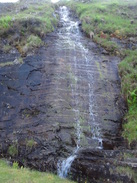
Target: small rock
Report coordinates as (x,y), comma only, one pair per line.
(13,51)
(102,35)
(105,60)
(102,20)
(16,61)
(80,23)
(91,34)
(24,8)
(125,14)
(104,52)
(24,49)
(132,21)
(9,163)
(132,39)
(103,65)
(88,20)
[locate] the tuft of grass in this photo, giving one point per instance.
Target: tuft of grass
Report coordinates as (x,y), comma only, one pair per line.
(16,175)
(30,143)
(6,64)
(128,72)
(7,48)
(5,22)
(12,150)
(34,41)
(107,44)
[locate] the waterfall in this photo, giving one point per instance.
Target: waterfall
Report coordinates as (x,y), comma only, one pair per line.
(69,33)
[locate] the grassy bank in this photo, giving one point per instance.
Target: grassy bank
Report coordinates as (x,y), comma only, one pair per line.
(116,20)
(17,175)
(26,28)
(128,73)
(107,20)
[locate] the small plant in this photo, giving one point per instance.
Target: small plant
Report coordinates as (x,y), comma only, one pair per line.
(15,165)
(7,48)
(133,97)
(34,41)
(30,143)
(12,150)
(5,21)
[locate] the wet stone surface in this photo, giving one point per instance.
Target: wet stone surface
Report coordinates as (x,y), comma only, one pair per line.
(97,166)
(66,94)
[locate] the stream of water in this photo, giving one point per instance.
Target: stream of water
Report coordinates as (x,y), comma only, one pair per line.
(70,34)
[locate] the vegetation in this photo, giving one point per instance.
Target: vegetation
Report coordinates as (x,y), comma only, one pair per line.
(129,172)
(5,21)
(128,72)
(13,150)
(17,175)
(26,29)
(109,20)
(30,143)
(108,17)
(16,61)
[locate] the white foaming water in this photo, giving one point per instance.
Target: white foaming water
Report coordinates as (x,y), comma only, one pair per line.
(64,166)
(66,34)
(69,27)
(55,1)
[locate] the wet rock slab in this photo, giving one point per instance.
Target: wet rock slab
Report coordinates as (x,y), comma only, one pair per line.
(42,101)
(35,108)
(97,166)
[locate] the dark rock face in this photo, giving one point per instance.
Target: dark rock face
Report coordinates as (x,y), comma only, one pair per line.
(43,99)
(33,108)
(97,166)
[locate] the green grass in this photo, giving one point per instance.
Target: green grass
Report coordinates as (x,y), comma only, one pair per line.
(107,44)
(30,25)
(128,73)
(42,13)
(29,44)
(12,150)
(108,17)
(16,175)
(5,21)
(34,41)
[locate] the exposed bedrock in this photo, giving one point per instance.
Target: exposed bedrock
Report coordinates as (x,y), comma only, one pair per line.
(65,95)
(97,166)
